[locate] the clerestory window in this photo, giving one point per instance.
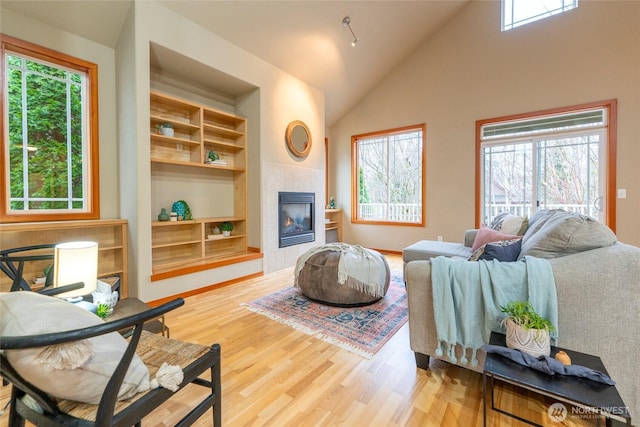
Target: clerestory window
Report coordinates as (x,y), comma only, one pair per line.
(520,12)
(50,135)
(388,176)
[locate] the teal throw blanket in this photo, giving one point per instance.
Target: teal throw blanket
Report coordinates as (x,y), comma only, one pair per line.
(467,296)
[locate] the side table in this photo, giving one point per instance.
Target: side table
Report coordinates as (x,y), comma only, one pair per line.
(129,306)
(591,396)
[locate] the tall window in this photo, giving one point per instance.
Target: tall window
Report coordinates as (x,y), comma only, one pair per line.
(49,135)
(388,176)
(520,12)
(562,159)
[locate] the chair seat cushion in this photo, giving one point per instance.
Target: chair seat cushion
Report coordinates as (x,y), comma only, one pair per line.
(153,349)
(29,313)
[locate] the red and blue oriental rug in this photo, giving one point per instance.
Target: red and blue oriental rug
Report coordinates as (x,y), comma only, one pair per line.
(362,330)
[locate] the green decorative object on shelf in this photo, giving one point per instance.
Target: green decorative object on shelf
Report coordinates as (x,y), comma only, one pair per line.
(226,228)
(163,215)
(182,209)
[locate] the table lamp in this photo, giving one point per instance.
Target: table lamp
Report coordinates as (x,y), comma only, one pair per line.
(76,262)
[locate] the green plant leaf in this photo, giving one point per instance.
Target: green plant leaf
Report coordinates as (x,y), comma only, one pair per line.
(523,314)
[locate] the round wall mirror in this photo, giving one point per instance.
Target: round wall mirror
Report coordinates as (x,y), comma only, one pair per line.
(298,138)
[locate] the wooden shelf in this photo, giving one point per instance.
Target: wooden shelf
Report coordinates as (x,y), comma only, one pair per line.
(164,272)
(111,235)
(197,131)
(334,217)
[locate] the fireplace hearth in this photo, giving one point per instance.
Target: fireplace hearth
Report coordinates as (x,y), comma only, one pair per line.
(296,222)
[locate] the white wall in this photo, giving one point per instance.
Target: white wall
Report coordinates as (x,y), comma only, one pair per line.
(470,70)
(280,99)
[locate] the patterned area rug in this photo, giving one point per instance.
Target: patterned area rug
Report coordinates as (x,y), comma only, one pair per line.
(362,330)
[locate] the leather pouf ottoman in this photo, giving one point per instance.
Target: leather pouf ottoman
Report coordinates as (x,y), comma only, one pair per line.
(317,275)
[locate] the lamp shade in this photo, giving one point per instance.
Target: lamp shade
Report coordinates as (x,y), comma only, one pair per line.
(76,262)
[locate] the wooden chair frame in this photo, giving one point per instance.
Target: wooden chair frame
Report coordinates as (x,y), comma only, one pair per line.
(105,416)
(12,264)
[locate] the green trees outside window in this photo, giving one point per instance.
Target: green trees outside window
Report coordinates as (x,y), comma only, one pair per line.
(45,136)
(51,162)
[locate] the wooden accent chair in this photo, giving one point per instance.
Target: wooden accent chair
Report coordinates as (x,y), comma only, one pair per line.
(12,262)
(153,349)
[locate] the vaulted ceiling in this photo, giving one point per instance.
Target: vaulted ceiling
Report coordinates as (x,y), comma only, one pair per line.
(306,39)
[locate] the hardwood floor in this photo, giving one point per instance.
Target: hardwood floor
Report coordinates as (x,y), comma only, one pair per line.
(274,375)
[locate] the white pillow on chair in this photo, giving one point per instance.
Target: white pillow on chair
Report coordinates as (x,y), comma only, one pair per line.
(76,371)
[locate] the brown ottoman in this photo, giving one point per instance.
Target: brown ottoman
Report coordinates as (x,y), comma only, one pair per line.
(318,280)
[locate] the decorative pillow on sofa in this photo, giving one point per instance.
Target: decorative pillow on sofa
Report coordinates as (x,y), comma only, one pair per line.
(503,250)
(510,224)
(487,235)
(558,233)
(76,371)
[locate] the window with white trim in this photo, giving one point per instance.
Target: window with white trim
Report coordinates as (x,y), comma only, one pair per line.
(557,160)
(49,145)
(520,12)
(388,176)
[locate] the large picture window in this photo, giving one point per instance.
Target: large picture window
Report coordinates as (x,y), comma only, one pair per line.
(560,159)
(388,176)
(50,142)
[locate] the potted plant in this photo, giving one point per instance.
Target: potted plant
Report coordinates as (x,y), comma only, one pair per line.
(527,331)
(226,228)
(167,129)
(213,156)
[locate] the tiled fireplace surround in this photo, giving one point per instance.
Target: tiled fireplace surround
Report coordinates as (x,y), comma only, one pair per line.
(277,178)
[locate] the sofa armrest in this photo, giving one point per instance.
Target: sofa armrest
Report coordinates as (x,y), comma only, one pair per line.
(470,236)
(598,299)
(422,329)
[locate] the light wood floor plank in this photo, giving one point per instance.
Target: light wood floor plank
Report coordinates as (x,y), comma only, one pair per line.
(274,375)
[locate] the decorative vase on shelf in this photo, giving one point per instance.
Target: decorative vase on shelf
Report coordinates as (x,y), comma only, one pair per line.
(163,215)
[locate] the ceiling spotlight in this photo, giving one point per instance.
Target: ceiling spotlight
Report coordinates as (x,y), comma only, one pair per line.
(347,23)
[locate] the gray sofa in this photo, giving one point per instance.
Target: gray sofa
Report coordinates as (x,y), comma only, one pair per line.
(598,291)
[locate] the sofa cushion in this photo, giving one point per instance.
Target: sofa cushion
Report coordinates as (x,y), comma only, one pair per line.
(539,218)
(487,235)
(427,249)
(83,367)
(558,233)
(504,251)
(510,224)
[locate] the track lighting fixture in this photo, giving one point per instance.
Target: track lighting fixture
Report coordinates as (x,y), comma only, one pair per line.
(347,23)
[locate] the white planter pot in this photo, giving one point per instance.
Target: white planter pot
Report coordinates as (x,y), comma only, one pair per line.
(535,342)
(226,233)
